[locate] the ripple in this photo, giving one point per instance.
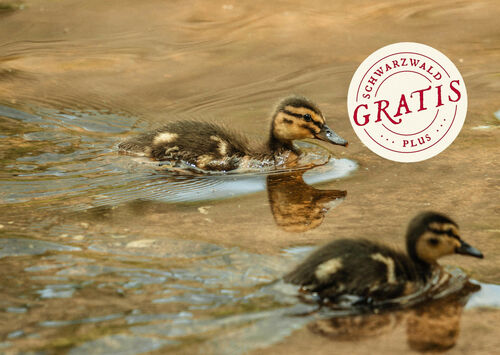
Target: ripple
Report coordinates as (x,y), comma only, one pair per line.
(115,278)
(122,344)
(80,161)
(221,286)
(22,246)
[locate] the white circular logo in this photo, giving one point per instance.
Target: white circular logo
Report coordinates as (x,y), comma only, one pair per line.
(407,102)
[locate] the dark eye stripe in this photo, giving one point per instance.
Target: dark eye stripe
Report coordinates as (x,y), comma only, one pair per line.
(298,115)
(448,232)
(317,124)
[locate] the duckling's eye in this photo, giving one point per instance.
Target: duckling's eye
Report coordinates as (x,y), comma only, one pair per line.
(307,117)
(433,241)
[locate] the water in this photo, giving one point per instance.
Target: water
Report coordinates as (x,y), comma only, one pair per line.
(82,156)
(103,253)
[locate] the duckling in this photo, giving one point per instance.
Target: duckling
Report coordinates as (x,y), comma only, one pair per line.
(376,272)
(210,146)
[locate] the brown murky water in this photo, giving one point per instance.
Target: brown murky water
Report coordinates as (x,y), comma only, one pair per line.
(104,254)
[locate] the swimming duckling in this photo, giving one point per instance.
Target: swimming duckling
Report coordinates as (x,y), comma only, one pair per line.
(376,272)
(212,147)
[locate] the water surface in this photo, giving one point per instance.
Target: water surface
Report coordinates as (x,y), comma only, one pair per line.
(105,254)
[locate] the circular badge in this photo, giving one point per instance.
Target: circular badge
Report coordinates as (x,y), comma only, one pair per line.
(407,102)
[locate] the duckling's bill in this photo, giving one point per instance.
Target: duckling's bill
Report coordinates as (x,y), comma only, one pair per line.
(467,249)
(328,135)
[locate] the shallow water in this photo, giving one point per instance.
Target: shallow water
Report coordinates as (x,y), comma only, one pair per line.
(103,253)
(83,158)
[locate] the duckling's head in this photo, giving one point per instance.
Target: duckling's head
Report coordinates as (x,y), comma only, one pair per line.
(298,118)
(431,235)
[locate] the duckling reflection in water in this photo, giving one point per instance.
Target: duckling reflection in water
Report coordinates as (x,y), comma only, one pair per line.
(435,326)
(296,206)
(375,272)
(213,147)
(432,326)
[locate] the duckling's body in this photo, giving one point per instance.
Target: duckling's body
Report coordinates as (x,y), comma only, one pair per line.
(371,270)
(356,267)
(204,145)
(214,147)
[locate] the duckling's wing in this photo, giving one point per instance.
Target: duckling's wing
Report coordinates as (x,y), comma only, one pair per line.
(373,273)
(324,263)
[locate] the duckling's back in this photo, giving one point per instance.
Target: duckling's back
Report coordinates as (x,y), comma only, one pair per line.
(358,267)
(202,144)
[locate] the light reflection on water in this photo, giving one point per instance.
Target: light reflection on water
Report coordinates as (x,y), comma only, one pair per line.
(76,162)
(219,289)
(103,254)
(173,289)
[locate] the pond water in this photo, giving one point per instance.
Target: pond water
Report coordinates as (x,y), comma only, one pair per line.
(104,253)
